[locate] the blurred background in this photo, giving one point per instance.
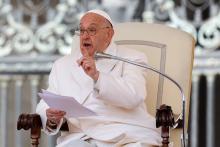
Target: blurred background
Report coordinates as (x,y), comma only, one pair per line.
(34,33)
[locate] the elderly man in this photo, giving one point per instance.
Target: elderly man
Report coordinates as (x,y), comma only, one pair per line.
(113,89)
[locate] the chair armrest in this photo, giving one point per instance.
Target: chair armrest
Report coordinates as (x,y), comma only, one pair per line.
(33,122)
(29,121)
(165,120)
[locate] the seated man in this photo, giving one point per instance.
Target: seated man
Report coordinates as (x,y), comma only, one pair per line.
(113,89)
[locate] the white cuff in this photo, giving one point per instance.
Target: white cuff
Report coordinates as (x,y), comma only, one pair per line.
(50,131)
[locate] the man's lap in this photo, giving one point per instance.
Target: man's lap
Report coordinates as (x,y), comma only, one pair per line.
(95,143)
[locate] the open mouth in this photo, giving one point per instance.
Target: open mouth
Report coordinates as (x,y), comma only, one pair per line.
(87,45)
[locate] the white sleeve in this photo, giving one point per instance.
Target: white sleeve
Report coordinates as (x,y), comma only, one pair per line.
(127,90)
(42,106)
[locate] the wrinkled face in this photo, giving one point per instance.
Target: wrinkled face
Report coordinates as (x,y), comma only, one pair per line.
(95,33)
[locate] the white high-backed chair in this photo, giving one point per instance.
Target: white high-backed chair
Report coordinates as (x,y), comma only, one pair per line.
(169,50)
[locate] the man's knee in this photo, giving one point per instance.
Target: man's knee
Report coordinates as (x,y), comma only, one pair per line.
(77,143)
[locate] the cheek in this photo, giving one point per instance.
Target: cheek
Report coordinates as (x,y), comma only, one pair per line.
(98,41)
(101,40)
(80,42)
(95,42)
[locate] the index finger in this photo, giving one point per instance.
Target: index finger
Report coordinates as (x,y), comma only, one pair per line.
(84,51)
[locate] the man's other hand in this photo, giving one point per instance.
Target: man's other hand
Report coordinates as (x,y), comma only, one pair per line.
(54,116)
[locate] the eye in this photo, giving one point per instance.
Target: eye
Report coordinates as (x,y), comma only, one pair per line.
(81,30)
(91,30)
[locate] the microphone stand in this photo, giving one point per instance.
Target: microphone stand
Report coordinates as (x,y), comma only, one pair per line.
(164,115)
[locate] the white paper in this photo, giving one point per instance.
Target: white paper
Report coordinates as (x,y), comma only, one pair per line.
(65,103)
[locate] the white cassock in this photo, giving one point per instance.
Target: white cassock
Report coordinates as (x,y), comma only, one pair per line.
(117,97)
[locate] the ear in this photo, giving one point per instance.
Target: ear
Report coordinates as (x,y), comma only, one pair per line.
(110,33)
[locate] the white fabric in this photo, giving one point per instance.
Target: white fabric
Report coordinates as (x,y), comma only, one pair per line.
(76,143)
(101,13)
(95,143)
(117,98)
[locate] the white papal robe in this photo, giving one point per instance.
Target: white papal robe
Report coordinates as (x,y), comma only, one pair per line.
(117,97)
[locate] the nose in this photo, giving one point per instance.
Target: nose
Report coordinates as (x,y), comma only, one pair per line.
(85,34)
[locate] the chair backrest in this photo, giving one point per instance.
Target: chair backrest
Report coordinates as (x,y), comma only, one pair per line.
(169,50)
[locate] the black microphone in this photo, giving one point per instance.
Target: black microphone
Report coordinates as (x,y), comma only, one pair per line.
(99,55)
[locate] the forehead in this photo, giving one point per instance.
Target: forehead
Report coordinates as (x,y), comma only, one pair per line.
(91,19)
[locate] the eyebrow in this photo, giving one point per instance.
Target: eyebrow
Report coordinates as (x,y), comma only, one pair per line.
(92,24)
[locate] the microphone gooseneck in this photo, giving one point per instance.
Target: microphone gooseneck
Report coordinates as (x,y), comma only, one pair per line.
(182,115)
